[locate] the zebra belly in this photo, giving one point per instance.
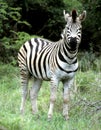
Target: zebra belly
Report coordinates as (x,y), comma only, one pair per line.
(44,72)
(38,71)
(60,75)
(44,76)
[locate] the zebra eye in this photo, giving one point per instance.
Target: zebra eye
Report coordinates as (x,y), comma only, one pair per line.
(79,29)
(67,35)
(67,28)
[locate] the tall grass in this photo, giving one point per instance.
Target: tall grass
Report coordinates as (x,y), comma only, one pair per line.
(89,61)
(85,101)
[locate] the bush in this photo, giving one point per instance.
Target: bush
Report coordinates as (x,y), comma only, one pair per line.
(9,21)
(89,60)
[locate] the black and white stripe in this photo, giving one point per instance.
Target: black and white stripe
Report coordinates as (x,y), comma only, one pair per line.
(55,61)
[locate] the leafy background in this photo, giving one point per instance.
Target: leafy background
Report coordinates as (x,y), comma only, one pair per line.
(21,19)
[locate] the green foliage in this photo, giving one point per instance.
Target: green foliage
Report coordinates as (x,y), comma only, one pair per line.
(46,19)
(83,112)
(92,27)
(10,19)
(8,16)
(73,4)
(52,13)
(89,60)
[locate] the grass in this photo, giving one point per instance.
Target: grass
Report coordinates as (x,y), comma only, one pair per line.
(84,113)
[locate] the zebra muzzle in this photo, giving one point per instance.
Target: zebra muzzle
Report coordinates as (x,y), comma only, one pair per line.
(73,43)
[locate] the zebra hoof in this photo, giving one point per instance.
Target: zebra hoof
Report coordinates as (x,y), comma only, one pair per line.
(66,118)
(34,112)
(36,115)
(49,117)
(21,111)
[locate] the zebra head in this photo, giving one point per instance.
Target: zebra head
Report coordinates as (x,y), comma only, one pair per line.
(73,28)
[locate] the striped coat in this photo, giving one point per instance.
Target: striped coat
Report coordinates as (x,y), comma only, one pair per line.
(54,61)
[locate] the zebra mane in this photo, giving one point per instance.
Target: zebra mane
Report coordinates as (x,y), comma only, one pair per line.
(74,15)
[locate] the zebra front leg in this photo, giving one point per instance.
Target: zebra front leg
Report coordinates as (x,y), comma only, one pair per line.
(34,93)
(66,97)
(53,92)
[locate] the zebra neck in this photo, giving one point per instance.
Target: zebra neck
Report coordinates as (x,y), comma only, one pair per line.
(71,50)
(65,55)
(68,51)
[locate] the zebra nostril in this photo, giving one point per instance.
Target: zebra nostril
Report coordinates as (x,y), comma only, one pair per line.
(73,40)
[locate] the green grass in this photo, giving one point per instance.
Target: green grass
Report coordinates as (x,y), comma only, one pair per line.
(83,106)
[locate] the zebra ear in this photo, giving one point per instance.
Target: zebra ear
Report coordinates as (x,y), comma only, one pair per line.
(66,15)
(82,16)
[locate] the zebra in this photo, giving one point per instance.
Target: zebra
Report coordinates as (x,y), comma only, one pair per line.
(51,61)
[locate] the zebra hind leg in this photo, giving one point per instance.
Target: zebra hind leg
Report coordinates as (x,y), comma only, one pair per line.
(24,84)
(34,93)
